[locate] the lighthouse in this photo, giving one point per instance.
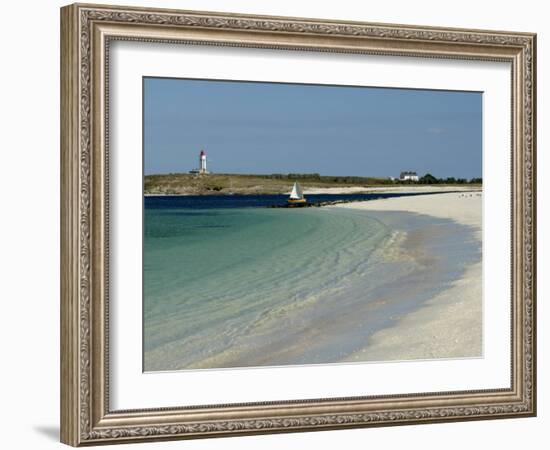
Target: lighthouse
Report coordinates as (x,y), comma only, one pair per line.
(202,162)
(202,165)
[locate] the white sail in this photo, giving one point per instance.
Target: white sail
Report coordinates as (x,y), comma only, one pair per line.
(297,193)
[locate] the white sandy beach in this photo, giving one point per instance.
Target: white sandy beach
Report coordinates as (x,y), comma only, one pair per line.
(450,324)
(401,188)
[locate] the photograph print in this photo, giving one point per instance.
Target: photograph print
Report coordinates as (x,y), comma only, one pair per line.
(299,224)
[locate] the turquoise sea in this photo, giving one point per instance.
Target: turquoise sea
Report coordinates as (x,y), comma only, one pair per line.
(241,286)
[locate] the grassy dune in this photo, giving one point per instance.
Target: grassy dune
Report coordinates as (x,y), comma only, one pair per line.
(246,184)
(192,184)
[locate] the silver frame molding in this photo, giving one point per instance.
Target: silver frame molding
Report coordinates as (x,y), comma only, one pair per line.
(86,33)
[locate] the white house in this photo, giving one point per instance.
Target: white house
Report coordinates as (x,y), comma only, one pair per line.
(408,176)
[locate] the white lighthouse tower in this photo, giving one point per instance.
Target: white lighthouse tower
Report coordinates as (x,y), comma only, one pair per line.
(202,162)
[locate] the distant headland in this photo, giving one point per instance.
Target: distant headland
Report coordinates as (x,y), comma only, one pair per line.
(201,181)
(256,184)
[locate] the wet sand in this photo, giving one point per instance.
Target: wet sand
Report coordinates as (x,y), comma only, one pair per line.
(450,324)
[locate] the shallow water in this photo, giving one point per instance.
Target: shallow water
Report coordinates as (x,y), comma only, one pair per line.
(239,287)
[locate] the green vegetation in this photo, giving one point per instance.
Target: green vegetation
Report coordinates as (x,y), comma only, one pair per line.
(194,184)
(430,179)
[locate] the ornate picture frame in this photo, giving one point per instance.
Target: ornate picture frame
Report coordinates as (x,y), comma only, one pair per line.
(87,31)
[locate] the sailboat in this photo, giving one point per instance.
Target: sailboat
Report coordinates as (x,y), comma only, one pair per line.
(297,195)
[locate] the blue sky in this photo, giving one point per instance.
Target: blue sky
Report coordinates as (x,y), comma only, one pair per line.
(266,128)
